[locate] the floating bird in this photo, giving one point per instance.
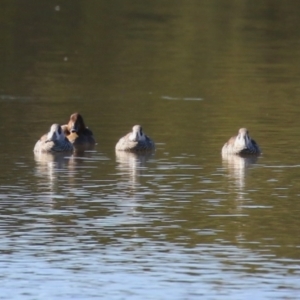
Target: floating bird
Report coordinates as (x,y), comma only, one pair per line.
(135,141)
(241,144)
(54,141)
(77,133)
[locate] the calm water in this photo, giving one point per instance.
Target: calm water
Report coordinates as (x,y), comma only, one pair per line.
(181,223)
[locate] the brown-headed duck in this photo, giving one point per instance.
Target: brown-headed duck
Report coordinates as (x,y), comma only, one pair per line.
(77,133)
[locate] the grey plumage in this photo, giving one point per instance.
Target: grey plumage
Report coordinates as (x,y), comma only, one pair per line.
(135,141)
(53,141)
(241,144)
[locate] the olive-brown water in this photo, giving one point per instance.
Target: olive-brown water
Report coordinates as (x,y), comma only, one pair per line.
(181,223)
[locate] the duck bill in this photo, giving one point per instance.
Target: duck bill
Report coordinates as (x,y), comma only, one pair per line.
(74,128)
(136,138)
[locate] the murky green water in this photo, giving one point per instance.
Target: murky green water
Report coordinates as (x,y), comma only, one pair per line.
(182,223)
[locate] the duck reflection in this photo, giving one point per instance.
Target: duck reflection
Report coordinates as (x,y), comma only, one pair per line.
(61,177)
(48,167)
(131,165)
(79,158)
(237,166)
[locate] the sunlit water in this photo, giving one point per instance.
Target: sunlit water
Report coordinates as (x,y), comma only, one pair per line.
(181,222)
(152,227)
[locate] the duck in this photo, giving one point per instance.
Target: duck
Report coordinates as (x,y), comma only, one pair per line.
(241,144)
(53,141)
(135,141)
(77,133)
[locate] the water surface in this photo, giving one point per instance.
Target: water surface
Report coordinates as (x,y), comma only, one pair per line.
(180,223)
